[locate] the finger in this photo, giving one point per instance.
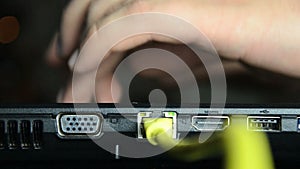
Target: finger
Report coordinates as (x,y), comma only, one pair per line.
(51,54)
(129,43)
(67,39)
(86,87)
(105,92)
(90,56)
(246,30)
(239,30)
(103,8)
(73,19)
(78,90)
(108,90)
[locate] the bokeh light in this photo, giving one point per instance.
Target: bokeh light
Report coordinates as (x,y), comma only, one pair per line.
(9,29)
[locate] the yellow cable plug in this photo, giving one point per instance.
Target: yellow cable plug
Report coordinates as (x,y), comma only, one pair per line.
(159,131)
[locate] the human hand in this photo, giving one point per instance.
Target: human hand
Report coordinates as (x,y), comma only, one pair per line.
(263,34)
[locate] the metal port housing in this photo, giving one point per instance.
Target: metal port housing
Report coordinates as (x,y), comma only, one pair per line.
(79,126)
(264,123)
(210,123)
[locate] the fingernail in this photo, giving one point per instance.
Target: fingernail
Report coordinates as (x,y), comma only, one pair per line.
(72,60)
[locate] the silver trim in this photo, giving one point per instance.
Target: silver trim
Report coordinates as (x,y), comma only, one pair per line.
(213,125)
(65,135)
(270,129)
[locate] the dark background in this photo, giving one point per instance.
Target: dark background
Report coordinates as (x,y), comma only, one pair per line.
(26,77)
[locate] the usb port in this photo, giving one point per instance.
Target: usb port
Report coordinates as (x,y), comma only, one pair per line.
(210,123)
(264,123)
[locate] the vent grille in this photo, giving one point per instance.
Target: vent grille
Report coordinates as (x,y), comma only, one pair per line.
(21,134)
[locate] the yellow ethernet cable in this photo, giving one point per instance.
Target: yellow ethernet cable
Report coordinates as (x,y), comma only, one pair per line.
(247,149)
(243,149)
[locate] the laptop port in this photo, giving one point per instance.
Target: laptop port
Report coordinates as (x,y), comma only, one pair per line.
(264,123)
(149,116)
(210,123)
(79,125)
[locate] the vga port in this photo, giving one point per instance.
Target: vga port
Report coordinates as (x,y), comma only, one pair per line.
(79,125)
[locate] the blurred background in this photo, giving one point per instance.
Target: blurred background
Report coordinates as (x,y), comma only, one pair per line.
(25,76)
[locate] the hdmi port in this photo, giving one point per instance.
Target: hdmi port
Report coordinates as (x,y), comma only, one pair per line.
(210,123)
